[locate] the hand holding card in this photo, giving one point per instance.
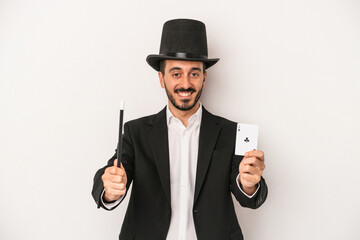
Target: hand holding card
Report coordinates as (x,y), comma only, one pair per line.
(250,171)
(252,165)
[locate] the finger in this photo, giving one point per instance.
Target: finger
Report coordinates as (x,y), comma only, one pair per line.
(250,161)
(119,177)
(115,171)
(110,170)
(115,186)
(115,178)
(244,180)
(112,194)
(116,163)
(107,178)
(249,180)
(248,184)
(257,164)
(250,170)
(115,174)
(254,161)
(255,153)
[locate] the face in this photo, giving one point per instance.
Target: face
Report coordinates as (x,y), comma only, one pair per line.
(183,82)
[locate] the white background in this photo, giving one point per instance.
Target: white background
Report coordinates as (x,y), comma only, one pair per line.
(290,66)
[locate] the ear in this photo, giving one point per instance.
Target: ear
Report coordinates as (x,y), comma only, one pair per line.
(161,78)
(205,74)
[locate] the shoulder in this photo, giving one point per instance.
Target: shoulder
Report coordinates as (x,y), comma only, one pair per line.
(147,120)
(226,129)
(224,122)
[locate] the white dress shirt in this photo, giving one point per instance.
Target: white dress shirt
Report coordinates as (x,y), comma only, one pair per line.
(184,147)
(183,153)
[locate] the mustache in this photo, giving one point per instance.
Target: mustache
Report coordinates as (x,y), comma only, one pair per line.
(184,90)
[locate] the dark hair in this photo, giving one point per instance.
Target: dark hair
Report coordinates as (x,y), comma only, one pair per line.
(163,65)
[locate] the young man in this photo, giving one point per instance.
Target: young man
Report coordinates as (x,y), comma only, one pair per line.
(181,160)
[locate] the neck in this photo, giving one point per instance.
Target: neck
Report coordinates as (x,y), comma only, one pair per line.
(183,115)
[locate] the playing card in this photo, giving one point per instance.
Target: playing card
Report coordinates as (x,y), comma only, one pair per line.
(246,138)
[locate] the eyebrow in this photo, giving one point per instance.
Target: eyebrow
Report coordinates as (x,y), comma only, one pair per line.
(192,69)
(196,69)
(174,68)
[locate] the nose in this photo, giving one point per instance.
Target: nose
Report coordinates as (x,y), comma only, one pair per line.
(185,82)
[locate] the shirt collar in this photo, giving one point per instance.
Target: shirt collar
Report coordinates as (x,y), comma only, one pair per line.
(196,116)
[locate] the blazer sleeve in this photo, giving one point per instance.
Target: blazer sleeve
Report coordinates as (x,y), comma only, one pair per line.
(127,159)
(254,202)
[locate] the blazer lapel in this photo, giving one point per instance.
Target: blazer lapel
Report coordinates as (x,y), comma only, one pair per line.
(209,132)
(158,139)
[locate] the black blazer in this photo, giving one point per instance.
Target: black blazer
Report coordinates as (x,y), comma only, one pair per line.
(145,158)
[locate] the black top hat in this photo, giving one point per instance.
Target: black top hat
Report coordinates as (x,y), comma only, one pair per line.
(182,39)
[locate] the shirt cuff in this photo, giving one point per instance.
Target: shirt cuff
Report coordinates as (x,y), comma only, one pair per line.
(238,183)
(111,205)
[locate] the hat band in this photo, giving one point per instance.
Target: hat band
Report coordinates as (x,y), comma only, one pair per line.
(183,55)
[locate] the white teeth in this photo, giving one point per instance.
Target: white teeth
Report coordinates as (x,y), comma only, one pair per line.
(184,94)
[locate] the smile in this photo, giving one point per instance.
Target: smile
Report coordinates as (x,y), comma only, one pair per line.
(184,94)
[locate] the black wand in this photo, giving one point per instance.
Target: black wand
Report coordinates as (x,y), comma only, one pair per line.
(119,146)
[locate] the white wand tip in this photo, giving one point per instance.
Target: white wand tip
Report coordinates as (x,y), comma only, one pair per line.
(122,103)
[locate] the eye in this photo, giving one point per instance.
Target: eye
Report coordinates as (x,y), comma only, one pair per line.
(195,74)
(175,74)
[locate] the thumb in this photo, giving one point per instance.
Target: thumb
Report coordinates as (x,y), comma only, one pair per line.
(121,166)
(115,163)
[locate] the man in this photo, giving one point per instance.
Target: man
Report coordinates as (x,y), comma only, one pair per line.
(181,161)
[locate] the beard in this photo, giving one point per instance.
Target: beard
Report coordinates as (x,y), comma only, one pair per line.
(185,104)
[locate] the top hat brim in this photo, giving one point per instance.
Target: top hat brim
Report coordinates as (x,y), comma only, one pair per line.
(154,60)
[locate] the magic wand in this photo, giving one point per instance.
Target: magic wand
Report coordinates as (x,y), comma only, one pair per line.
(119,146)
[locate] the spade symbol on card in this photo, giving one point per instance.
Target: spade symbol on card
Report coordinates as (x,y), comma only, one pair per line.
(246,138)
